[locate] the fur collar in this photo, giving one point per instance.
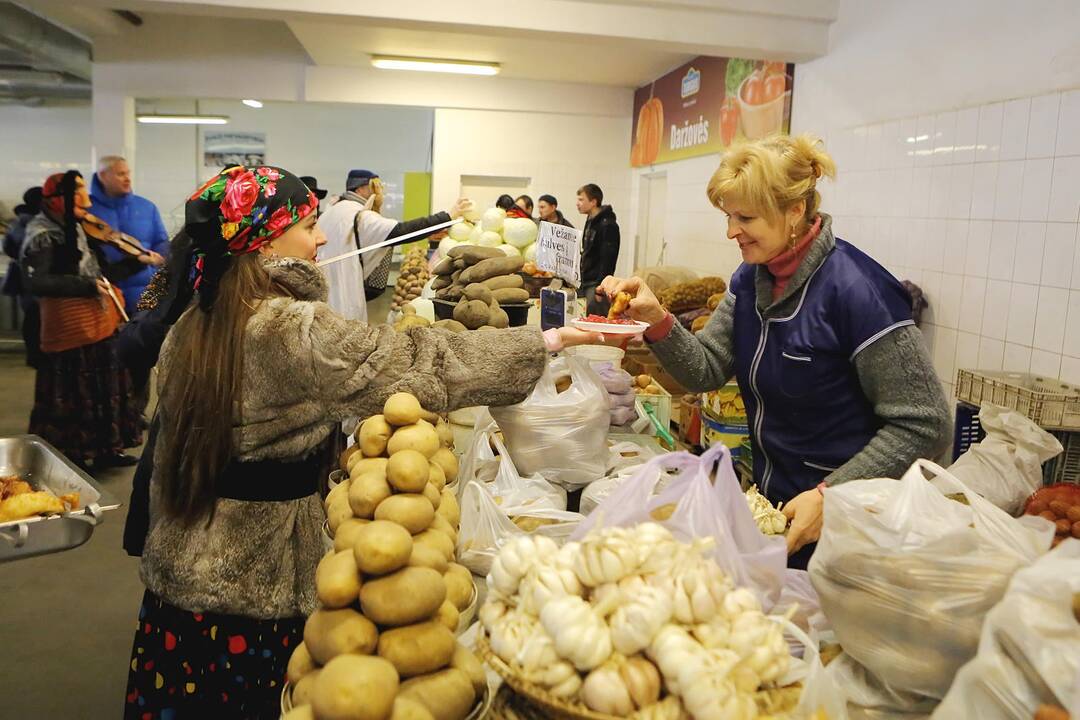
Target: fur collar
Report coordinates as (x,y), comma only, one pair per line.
(302,277)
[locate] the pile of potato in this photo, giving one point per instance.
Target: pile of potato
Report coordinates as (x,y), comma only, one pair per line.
(646,385)
(480,280)
(412,278)
(382,645)
(690,295)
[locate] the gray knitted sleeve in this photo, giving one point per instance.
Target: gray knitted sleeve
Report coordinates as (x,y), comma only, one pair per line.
(704,361)
(898,379)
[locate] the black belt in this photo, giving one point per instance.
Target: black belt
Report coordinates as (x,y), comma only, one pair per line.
(270,480)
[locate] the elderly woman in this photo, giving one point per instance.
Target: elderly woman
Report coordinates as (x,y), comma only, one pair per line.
(837,380)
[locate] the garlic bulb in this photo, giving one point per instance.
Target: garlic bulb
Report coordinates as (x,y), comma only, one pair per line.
(738,601)
(549,578)
(642,680)
(670,708)
(516,558)
(769,519)
(605,692)
(709,692)
(645,609)
(537,652)
(580,633)
(605,557)
(760,644)
(509,634)
(699,591)
(561,680)
(714,634)
(655,545)
(493,609)
(671,650)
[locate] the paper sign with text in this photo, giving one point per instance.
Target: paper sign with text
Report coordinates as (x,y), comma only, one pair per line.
(558,251)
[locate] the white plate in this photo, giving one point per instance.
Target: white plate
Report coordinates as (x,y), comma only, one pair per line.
(610,328)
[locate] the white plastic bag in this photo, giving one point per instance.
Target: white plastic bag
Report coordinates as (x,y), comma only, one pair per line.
(800,599)
(1006,467)
(906,577)
(1030,638)
(479,461)
(701,507)
(562,436)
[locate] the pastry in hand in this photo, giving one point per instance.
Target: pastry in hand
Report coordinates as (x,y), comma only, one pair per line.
(619,305)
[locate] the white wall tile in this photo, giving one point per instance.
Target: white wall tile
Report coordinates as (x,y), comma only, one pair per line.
(1030,239)
(983,189)
(1065,190)
(991,354)
(961,180)
(1017,358)
(1045,364)
(1071,344)
(972,303)
(1014,129)
(903,151)
(1059,254)
(944,138)
(900,192)
(995,317)
(1043,125)
(988,145)
(1050,319)
(1035,196)
(978,248)
(939,192)
(920,192)
(1068,140)
(934,247)
(924,140)
(1023,305)
(931,286)
(1010,182)
(1070,370)
(945,353)
(950,298)
(967,130)
(967,351)
(1002,250)
(956,246)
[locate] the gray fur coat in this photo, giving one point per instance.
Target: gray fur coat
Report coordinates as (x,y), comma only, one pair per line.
(305,370)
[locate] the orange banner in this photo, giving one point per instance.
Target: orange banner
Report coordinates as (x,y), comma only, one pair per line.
(705,105)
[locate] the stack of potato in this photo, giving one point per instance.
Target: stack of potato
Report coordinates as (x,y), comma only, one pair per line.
(479,280)
(382,644)
(690,295)
(412,278)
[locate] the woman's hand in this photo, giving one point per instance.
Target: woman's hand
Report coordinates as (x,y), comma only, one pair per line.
(643,306)
(556,339)
(462,206)
(805,513)
(152,258)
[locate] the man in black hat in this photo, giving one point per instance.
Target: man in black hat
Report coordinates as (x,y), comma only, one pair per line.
(313,185)
(13,280)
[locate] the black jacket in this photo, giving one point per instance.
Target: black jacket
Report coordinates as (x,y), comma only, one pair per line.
(599,247)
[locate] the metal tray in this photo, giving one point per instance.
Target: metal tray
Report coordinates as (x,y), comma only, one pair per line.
(40,464)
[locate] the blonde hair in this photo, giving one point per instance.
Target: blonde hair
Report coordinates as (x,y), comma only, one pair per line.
(772,174)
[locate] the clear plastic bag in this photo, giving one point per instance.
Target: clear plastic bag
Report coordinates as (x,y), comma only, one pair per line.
(696,505)
(1006,467)
(907,575)
(1030,639)
(562,436)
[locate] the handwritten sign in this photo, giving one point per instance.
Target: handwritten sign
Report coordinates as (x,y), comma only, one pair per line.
(558,251)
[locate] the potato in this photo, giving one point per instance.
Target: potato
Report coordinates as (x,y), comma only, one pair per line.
(429,557)
(491,267)
(302,691)
(1048,515)
(441,282)
(304,712)
(459,585)
(352,687)
(1076,532)
(448,616)
(447,460)
(473,314)
(436,477)
(342,488)
(441,524)
(408,471)
(1060,507)
(408,322)
(329,633)
(419,436)
(413,512)
(410,595)
(346,533)
(338,512)
(476,291)
(643,381)
(437,541)
(418,649)
(1063,526)
(445,433)
(444,266)
(497,317)
(406,709)
(373,434)
(451,325)
(433,495)
(473,254)
(467,662)
(504,281)
(508,296)
(367,493)
(337,580)
(363,466)
(382,547)
(401,409)
(1073,513)
(447,694)
(449,508)
(346,454)
(300,664)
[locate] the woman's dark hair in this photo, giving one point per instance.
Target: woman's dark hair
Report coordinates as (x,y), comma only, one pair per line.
(528,202)
(505,202)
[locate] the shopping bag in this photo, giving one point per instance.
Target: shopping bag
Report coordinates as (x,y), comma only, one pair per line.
(906,577)
(560,435)
(1029,650)
(479,460)
(1006,467)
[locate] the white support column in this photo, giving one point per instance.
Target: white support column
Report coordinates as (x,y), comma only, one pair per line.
(113,117)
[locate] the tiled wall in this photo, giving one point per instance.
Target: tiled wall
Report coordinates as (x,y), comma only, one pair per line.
(979,207)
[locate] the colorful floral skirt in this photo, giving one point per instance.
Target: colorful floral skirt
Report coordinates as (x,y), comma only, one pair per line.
(84,403)
(207,665)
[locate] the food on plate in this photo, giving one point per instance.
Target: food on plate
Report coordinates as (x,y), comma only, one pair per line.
(19,500)
(610,321)
(769,519)
(619,305)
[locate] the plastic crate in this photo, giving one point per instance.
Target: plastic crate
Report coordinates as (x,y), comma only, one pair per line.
(967,430)
(1065,468)
(1052,404)
(661,405)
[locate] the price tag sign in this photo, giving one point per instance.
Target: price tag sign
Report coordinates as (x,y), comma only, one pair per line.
(558,251)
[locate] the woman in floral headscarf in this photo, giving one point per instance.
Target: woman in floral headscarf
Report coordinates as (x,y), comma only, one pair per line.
(254,377)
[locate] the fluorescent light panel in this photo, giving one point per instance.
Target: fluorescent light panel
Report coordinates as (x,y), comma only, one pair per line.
(183,119)
(253,103)
(461,67)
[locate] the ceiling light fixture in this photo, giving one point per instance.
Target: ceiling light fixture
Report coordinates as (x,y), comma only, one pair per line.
(253,103)
(462,67)
(154,119)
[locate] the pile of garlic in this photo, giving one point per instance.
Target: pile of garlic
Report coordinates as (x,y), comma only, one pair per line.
(633,623)
(769,519)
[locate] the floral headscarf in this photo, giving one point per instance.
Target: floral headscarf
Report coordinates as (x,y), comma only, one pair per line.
(238,211)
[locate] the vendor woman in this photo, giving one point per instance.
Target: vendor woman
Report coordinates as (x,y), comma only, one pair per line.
(253,378)
(837,380)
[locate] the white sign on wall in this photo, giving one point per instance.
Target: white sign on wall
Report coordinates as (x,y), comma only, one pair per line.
(558,251)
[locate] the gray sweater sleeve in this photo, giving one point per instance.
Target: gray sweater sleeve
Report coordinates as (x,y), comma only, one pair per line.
(898,379)
(704,361)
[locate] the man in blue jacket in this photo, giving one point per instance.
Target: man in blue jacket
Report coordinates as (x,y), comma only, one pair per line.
(126,212)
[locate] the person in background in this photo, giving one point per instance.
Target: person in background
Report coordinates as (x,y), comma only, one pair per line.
(134,215)
(525,203)
(83,397)
(353,221)
(313,185)
(599,245)
(14,281)
(549,211)
(512,209)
